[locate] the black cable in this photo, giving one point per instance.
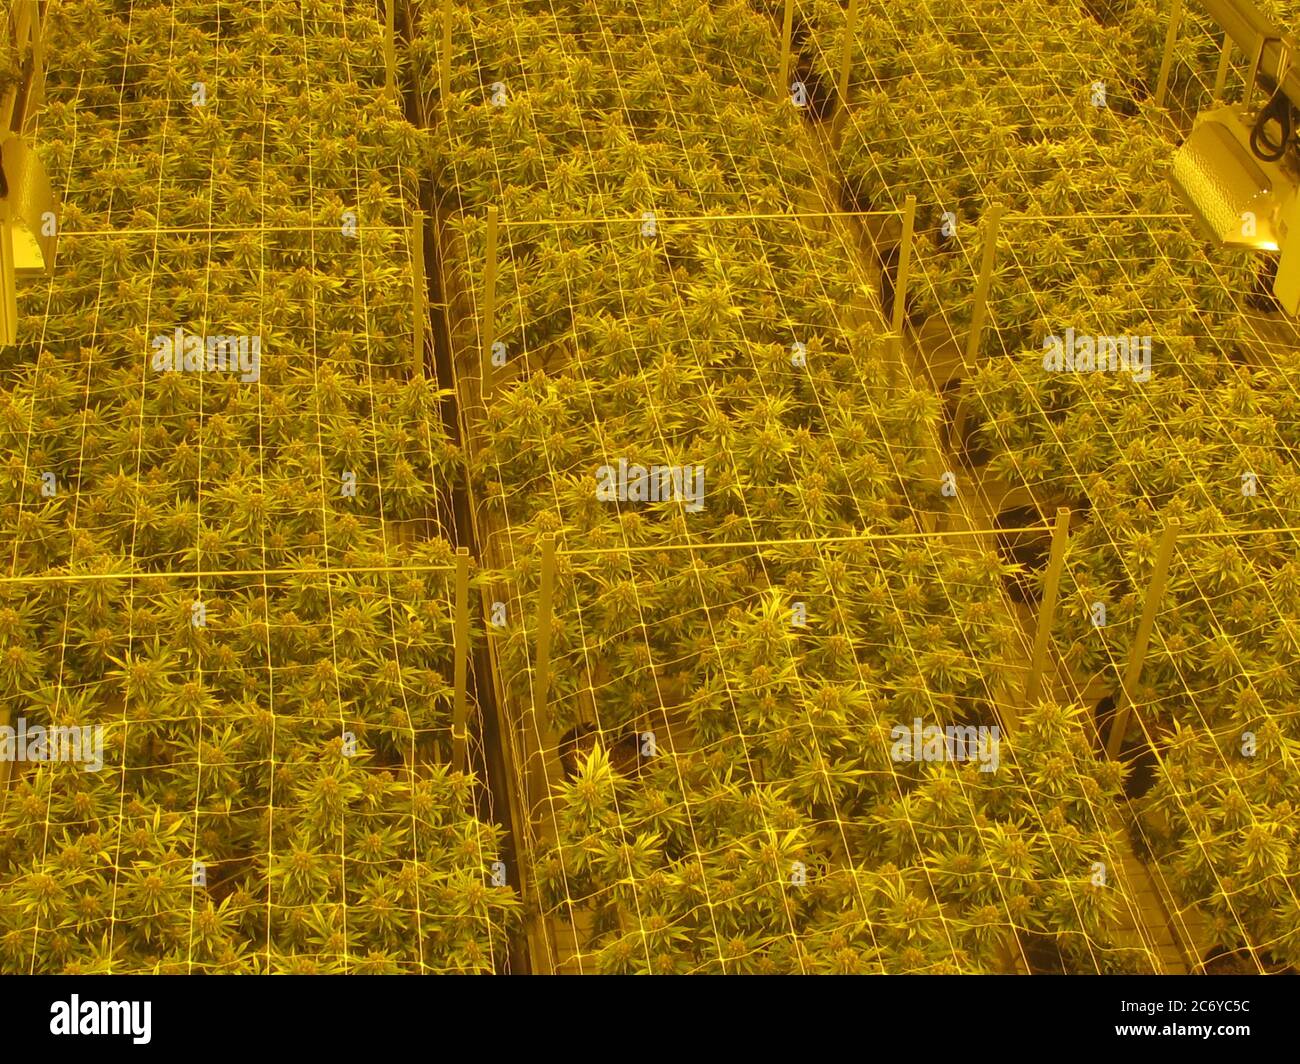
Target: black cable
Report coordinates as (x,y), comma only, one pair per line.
(1278,109)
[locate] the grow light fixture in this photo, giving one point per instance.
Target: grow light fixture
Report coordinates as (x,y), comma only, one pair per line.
(1243,190)
(1232,193)
(28,234)
(27,230)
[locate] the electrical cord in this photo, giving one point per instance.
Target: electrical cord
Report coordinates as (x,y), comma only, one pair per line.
(1279,110)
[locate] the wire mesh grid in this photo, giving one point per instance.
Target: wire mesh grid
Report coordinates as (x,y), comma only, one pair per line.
(229,562)
(545,436)
(674,291)
(1097,249)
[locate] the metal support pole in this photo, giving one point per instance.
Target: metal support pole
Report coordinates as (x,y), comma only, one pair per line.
(419,293)
(980,309)
(23,99)
(1257,37)
(444,59)
(1225,64)
(1047,610)
(1138,652)
(487,331)
(904,264)
(35,91)
(8,280)
(540,768)
(6,764)
(960,421)
(846,63)
(390,49)
(1167,60)
(460,711)
(894,349)
(542,662)
(787,31)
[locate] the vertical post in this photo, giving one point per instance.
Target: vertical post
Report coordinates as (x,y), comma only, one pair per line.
(5,764)
(1047,610)
(846,62)
(787,30)
(1225,64)
(419,292)
(17,26)
(390,49)
(542,670)
(1167,59)
(894,359)
(960,421)
(542,661)
(444,60)
(979,311)
(904,264)
(460,638)
(8,280)
(1138,652)
(1012,956)
(1248,90)
(34,95)
(487,331)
